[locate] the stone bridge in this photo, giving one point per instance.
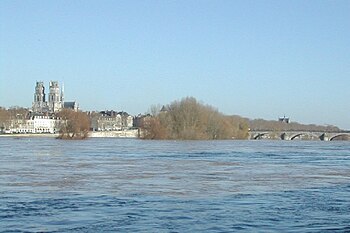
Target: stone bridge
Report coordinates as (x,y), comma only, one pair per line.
(299,135)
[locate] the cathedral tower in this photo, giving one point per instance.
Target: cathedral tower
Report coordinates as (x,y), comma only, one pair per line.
(55,103)
(39,104)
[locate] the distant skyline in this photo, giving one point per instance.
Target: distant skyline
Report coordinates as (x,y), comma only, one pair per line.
(257,59)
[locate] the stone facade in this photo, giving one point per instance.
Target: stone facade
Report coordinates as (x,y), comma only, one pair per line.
(39,104)
(110,121)
(54,103)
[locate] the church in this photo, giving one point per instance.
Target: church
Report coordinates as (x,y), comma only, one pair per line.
(55,101)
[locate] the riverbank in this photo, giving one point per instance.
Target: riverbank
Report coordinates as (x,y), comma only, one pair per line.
(96,134)
(53,135)
(132,133)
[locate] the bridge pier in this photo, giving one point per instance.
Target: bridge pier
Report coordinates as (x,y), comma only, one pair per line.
(324,137)
(285,136)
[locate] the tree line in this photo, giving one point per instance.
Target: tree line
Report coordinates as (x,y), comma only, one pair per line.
(187,119)
(261,125)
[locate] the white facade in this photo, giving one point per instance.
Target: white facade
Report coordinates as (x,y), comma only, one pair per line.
(44,124)
(37,124)
(129,122)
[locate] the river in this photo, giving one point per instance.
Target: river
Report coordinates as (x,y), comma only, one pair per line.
(130,185)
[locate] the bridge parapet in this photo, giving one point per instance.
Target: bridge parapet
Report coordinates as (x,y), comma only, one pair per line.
(299,135)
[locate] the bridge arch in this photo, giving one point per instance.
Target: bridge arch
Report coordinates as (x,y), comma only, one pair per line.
(295,136)
(260,135)
(308,135)
(339,135)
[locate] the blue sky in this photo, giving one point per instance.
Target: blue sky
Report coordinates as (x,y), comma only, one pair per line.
(257,59)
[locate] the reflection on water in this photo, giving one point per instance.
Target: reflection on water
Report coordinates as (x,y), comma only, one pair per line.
(186,186)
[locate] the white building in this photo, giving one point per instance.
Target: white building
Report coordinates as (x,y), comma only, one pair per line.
(44,124)
(36,124)
(129,122)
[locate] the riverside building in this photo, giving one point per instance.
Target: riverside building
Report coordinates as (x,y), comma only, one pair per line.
(43,117)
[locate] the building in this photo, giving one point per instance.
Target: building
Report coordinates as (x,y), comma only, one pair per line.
(54,103)
(39,104)
(141,120)
(284,119)
(111,121)
(71,105)
(42,118)
(35,124)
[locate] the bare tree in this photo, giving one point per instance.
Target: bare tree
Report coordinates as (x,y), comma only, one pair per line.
(4,118)
(260,124)
(74,125)
(188,119)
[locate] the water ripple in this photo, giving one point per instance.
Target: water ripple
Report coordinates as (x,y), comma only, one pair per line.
(112,185)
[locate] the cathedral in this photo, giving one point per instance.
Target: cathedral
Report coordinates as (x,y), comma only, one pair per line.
(54,103)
